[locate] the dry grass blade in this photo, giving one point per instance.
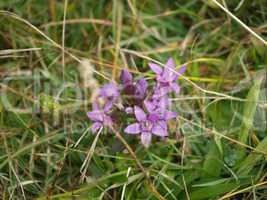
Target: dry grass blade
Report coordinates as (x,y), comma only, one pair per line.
(11,51)
(227,196)
(90,153)
(124,186)
(117,23)
(19,182)
(240,22)
(118,135)
(13,15)
(80,139)
(182,163)
(79,21)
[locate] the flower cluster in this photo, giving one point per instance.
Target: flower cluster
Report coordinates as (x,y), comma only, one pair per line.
(148,108)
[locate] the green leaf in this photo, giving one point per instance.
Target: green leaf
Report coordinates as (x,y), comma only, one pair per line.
(189,177)
(252,159)
(211,183)
(249,110)
(248,114)
(221,114)
(216,190)
(212,164)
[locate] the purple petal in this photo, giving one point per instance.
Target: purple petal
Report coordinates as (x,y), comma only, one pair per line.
(159,130)
(146,138)
(126,77)
(168,69)
(175,87)
(108,106)
(170,63)
(164,102)
(95,115)
(129,110)
(161,91)
(141,87)
(139,114)
(169,115)
(132,128)
(95,106)
(109,90)
(95,126)
(155,68)
(163,124)
(181,71)
(107,120)
(149,106)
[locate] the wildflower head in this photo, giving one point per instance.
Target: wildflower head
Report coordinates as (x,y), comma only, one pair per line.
(146,125)
(133,92)
(99,117)
(166,77)
(149,109)
(109,93)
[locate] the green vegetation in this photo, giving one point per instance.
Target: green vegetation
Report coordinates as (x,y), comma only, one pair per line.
(48,51)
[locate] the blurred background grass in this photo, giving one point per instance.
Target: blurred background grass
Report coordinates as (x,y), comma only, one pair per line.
(218,147)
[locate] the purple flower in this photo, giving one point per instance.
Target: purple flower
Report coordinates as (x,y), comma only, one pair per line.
(99,117)
(110,94)
(134,92)
(157,103)
(141,87)
(131,95)
(147,124)
(166,77)
(160,109)
(126,77)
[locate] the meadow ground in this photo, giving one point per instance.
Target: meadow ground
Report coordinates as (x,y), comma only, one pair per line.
(217,146)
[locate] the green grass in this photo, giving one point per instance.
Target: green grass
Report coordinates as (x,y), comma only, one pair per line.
(218,145)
